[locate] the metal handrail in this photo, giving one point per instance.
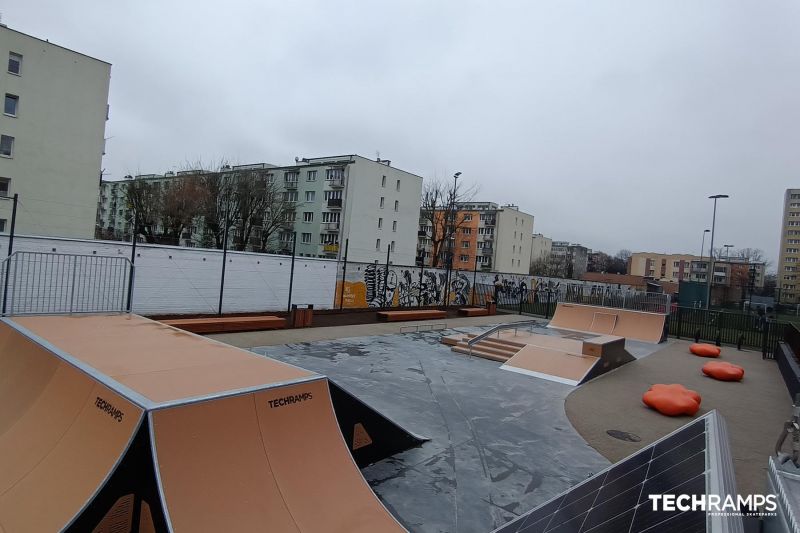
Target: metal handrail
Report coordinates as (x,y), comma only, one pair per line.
(500,327)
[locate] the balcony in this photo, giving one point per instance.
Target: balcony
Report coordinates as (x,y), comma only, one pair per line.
(486,250)
(422,233)
(290,184)
(330,226)
(489,222)
(335,203)
(335,183)
(331,248)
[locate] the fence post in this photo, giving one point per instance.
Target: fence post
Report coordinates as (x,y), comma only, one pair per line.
(547,308)
(291,272)
(474,277)
(386,275)
(520,301)
(344,272)
(72,288)
(764,336)
(421,294)
(133,259)
(679,325)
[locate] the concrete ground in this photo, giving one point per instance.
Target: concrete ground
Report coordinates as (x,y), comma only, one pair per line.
(251,339)
(501,443)
(754,409)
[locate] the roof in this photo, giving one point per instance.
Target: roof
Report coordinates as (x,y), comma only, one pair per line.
(46,41)
(153,364)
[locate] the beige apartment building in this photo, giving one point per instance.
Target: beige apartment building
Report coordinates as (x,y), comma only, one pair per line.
(789,256)
(51,135)
(662,267)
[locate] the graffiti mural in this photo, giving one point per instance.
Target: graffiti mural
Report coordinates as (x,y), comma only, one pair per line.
(373,285)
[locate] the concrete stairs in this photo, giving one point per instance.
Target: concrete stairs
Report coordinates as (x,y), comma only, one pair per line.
(490,348)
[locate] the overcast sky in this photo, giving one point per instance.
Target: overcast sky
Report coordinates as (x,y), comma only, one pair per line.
(610,121)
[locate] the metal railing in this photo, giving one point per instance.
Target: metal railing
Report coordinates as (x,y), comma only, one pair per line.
(50,283)
(498,328)
(750,331)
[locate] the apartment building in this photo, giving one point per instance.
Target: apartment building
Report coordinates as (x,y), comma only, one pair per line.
(331,200)
(51,135)
(572,259)
(492,237)
(663,267)
(541,247)
(789,254)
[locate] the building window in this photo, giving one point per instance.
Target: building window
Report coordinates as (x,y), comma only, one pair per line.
(10,107)
(290,196)
(2,225)
(396,205)
(394,225)
(464,258)
(392,246)
(305,238)
(333,195)
(15,63)
(308,216)
(377,245)
(466,231)
(465,244)
(380,223)
(382,202)
(383,182)
(310,196)
(397,186)
(290,177)
(6,146)
(329,216)
(4,186)
(311,175)
(334,174)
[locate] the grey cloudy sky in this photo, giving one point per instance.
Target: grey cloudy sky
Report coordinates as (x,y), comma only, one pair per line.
(610,121)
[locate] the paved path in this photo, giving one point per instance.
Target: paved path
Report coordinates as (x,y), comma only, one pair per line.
(251,339)
(754,409)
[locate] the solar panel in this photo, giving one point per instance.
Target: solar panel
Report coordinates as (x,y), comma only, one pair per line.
(692,460)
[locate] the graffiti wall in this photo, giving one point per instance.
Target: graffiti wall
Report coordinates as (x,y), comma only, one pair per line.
(373,285)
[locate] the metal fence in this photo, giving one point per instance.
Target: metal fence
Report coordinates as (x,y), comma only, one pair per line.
(543,302)
(51,283)
(751,331)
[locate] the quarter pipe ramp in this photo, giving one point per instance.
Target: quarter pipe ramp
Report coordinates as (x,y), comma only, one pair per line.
(637,325)
(119,423)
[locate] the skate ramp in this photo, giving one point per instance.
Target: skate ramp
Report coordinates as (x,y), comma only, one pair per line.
(637,325)
(120,423)
(568,361)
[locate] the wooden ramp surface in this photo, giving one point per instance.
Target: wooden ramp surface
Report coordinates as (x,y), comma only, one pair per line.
(638,325)
(421,314)
(555,365)
(230,441)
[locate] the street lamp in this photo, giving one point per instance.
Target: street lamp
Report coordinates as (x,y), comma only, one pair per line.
(452,237)
(703,247)
(727,251)
(714,197)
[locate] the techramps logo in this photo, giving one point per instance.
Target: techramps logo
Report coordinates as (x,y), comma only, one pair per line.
(758,505)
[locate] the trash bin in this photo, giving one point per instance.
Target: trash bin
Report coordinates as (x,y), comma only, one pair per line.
(302,315)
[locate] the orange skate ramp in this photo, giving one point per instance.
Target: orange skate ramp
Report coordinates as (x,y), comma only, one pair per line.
(121,423)
(637,325)
(557,359)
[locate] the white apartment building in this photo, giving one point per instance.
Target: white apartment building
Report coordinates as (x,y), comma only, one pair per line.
(541,247)
(369,204)
(51,135)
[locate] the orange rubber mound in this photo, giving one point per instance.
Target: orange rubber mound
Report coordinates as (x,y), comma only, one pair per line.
(672,400)
(723,371)
(705,350)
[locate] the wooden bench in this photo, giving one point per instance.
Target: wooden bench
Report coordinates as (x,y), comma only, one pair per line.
(420,314)
(473,311)
(227,324)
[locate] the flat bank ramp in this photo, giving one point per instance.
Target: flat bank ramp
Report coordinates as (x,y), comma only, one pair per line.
(637,325)
(170,432)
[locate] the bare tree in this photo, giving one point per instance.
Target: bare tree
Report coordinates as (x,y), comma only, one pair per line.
(180,204)
(278,211)
(248,202)
(441,212)
(218,199)
(144,200)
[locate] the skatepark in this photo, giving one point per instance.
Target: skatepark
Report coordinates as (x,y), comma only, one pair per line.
(114,422)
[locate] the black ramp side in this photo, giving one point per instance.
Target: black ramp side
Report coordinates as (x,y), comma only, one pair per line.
(118,505)
(370,436)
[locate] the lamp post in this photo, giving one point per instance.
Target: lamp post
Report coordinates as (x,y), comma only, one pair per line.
(714,197)
(727,251)
(452,238)
(703,247)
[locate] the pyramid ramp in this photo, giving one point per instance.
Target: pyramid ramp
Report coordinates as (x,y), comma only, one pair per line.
(119,423)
